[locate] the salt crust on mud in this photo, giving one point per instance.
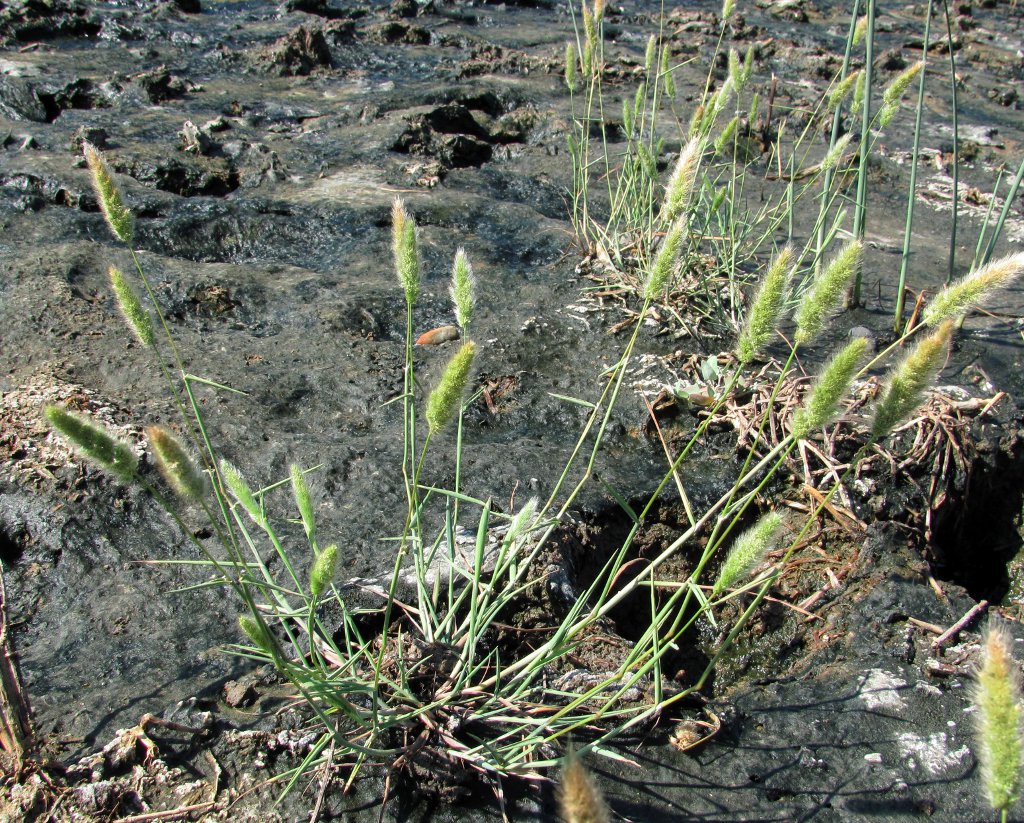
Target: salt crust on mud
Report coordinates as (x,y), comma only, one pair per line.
(880,690)
(931,753)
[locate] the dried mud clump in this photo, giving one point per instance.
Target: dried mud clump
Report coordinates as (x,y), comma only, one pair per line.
(299,53)
(26,20)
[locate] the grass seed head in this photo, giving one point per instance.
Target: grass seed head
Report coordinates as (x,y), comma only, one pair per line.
(728,6)
(579,798)
(135,315)
(445,400)
(242,493)
(463,289)
(256,632)
(321,575)
(860,29)
(842,90)
(664,265)
(829,389)
(908,381)
(747,552)
(300,491)
(681,184)
(766,308)
(858,93)
(176,465)
(571,80)
(974,289)
(826,292)
(94,442)
(666,72)
(997,698)
(406,255)
(834,154)
(117,214)
(651,53)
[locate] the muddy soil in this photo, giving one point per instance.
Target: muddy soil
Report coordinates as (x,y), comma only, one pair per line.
(260,146)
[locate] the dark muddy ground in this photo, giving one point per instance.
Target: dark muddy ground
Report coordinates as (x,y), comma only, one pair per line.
(260,146)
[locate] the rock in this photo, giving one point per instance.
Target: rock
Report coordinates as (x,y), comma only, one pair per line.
(239,694)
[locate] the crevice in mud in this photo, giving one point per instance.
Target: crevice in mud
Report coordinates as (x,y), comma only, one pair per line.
(976,530)
(12,545)
(588,551)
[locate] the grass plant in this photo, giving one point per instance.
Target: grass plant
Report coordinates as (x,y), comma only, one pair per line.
(736,145)
(424,667)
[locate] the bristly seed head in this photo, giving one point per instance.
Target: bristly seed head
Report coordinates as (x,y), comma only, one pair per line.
(747,552)
(664,265)
(176,465)
(300,491)
(829,389)
(571,80)
(825,292)
(997,697)
(974,289)
(579,798)
(842,89)
(403,244)
(239,488)
(767,306)
(681,183)
(94,442)
(135,315)
(321,575)
(909,380)
(445,400)
(463,289)
(117,214)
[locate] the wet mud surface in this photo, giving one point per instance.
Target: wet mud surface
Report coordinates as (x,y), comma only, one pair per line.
(260,146)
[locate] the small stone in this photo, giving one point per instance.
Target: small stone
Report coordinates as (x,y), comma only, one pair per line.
(239,694)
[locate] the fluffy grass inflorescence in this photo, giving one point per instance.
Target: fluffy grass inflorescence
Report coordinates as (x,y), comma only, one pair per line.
(463,290)
(445,400)
(763,317)
(128,302)
(579,798)
(829,389)
(826,292)
(747,552)
(94,442)
(406,255)
(997,698)
(680,184)
(973,289)
(117,214)
(907,382)
(176,464)
(665,262)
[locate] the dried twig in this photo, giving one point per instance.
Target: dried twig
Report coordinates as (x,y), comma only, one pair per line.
(957,627)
